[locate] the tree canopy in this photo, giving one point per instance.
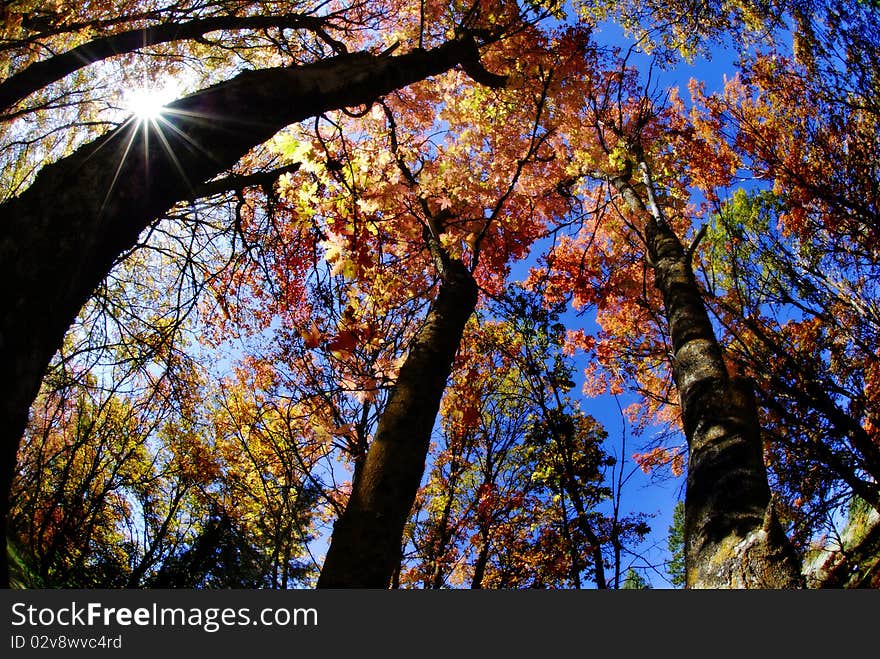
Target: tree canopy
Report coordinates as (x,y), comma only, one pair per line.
(332,293)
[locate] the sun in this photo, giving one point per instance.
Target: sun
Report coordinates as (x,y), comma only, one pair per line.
(148,108)
(147,102)
(144,104)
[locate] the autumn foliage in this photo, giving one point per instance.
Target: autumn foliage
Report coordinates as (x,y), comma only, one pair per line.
(218,412)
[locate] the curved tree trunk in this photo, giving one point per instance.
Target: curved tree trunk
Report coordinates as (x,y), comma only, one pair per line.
(365,547)
(61,237)
(732,536)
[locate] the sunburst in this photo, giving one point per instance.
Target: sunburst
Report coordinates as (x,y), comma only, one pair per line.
(148,113)
(147,102)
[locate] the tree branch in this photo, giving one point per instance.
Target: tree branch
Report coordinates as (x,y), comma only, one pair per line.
(45,72)
(240,181)
(689,252)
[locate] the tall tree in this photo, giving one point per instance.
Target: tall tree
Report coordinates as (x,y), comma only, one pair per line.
(732,536)
(675,544)
(138,171)
(791,262)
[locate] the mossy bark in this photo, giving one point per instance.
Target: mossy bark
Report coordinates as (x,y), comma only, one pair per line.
(732,536)
(365,547)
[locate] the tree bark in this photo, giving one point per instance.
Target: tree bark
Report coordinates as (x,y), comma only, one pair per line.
(732,536)
(365,546)
(61,237)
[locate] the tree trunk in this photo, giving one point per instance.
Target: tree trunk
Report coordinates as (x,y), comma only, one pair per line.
(61,237)
(482,559)
(365,547)
(732,536)
(444,533)
(570,487)
(586,528)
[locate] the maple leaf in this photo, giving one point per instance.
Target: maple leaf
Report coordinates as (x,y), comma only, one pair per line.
(312,336)
(343,343)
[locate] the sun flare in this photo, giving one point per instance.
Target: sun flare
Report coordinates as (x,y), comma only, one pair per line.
(147,103)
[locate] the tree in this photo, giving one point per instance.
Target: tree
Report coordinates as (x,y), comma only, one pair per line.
(728,497)
(634,581)
(675,542)
(829,63)
(459,231)
(792,266)
(138,171)
(349,257)
(732,536)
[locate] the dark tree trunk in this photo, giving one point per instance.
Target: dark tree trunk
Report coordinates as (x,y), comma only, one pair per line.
(563,438)
(444,532)
(482,561)
(732,536)
(61,237)
(365,548)
(586,528)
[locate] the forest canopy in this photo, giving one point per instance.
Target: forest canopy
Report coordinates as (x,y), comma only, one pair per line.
(339,294)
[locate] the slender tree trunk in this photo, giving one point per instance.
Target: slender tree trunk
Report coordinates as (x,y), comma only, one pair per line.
(574,556)
(365,547)
(61,237)
(732,536)
(571,489)
(595,545)
(444,533)
(482,560)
